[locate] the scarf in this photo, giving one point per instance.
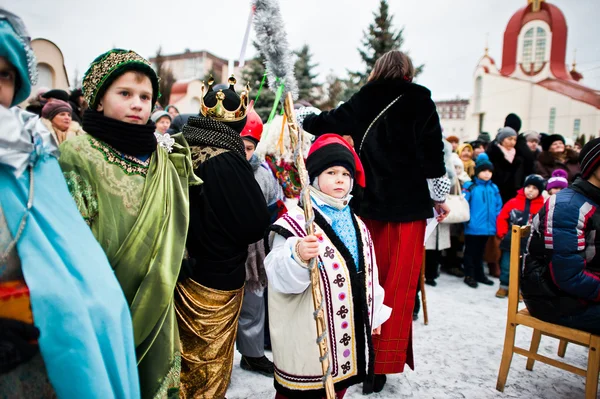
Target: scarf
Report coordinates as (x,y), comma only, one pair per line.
(128,138)
(201,131)
(469,167)
(337,203)
(340,218)
(508,154)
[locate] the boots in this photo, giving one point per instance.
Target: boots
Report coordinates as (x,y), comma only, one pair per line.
(260,365)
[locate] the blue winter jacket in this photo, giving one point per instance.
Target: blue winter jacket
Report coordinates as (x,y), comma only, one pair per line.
(485,204)
(561,276)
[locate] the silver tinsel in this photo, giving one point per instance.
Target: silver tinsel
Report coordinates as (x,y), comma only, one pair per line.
(273,45)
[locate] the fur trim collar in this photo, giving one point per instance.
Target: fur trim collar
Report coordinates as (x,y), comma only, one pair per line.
(546,158)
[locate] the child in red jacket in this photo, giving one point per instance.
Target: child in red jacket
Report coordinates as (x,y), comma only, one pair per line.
(517,211)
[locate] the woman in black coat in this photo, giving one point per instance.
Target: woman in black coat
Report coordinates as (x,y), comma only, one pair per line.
(396,131)
(511,167)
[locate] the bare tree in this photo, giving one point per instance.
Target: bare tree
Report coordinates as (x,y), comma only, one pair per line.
(167,79)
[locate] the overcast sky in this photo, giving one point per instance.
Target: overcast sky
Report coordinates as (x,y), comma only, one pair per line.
(447,36)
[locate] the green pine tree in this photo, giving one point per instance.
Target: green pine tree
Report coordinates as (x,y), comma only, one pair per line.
(380,38)
(253,73)
(303,70)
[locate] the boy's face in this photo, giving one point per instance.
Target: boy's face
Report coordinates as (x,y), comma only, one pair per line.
(554,190)
(531,192)
(250,147)
(128,99)
(8,81)
(485,175)
(335,181)
(62,121)
(163,124)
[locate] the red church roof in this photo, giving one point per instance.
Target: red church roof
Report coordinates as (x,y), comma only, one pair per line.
(572,89)
(558,25)
(565,83)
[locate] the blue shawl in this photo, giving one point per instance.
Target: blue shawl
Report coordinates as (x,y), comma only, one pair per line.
(86,337)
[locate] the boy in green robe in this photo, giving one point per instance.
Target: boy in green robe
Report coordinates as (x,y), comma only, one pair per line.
(133,193)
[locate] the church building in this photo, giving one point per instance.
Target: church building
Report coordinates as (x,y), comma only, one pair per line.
(533,80)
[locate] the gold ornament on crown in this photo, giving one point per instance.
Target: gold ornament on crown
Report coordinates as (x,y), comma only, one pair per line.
(219,112)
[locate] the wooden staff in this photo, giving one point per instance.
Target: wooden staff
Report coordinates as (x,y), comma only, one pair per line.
(423,296)
(317,294)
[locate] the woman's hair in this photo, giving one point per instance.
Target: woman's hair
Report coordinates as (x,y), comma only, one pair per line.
(393,65)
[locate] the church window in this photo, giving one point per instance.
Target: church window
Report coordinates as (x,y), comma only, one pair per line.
(534,49)
(552,120)
(478,90)
(576,127)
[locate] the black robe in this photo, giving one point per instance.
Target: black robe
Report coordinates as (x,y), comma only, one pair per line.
(227,213)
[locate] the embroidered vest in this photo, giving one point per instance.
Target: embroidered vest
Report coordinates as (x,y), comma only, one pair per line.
(348,297)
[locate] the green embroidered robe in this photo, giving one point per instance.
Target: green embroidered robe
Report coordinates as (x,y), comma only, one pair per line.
(139,212)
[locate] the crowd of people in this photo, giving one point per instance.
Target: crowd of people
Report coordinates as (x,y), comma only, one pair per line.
(140,247)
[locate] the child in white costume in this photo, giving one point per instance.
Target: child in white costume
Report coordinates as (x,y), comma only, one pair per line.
(353,298)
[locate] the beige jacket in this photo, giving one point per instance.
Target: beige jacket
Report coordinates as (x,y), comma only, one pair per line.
(60,136)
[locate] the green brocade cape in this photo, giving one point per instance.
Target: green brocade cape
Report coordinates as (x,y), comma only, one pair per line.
(139,212)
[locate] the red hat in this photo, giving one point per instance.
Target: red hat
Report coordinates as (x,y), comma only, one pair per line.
(332,150)
(254,126)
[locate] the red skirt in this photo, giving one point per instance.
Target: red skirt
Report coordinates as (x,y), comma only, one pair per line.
(399,250)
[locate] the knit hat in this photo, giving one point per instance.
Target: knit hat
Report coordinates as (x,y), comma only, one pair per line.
(484,137)
(159,114)
(54,108)
(531,135)
(535,180)
(548,140)
(589,158)
(253,128)
(483,163)
(56,94)
(108,67)
(513,121)
(332,150)
(558,180)
(505,133)
(16,48)
(452,139)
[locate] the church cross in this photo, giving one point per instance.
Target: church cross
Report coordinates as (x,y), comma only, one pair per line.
(536,5)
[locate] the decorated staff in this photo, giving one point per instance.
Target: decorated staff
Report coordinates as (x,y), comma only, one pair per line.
(317,295)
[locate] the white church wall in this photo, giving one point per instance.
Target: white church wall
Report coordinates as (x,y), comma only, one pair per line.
(533,103)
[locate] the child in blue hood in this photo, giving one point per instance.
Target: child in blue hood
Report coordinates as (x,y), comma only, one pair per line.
(485,205)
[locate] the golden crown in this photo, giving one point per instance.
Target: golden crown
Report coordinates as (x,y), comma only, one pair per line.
(219,112)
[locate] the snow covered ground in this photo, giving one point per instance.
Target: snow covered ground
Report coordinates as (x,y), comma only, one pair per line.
(457,355)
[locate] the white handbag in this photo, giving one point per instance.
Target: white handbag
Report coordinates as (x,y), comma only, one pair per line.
(460,211)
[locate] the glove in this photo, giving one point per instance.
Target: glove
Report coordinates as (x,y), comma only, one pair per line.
(16,346)
(303,112)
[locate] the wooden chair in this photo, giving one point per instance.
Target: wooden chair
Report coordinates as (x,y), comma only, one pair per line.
(522,317)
